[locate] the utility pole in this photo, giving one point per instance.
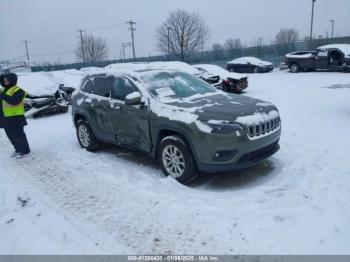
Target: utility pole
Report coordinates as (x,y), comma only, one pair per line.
(169,43)
(169,28)
(26,44)
(82,43)
(332,21)
(132,29)
(312,22)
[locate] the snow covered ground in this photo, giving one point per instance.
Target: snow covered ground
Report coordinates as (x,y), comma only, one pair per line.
(65,200)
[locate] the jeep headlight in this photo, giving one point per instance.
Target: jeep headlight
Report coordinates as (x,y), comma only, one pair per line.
(225,128)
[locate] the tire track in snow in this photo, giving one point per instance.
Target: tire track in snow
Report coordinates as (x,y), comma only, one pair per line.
(100,201)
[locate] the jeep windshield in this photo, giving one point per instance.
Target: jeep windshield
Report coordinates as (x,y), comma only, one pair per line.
(173,85)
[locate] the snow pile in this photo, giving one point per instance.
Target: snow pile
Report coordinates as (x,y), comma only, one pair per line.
(300,55)
(133,95)
(181,66)
(175,113)
(250,60)
(345,48)
(42,83)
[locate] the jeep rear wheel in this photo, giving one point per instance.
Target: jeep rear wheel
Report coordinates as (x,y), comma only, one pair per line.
(85,136)
(294,68)
(175,159)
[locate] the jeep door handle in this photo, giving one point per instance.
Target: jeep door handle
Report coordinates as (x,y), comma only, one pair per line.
(114,106)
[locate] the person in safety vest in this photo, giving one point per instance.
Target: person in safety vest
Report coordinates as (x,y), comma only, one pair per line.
(12,117)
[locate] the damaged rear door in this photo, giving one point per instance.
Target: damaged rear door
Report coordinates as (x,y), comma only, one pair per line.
(130,123)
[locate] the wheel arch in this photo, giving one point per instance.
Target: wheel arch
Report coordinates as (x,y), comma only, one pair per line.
(79,116)
(170,131)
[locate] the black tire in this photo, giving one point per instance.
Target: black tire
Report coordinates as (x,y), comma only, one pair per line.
(224,87)
(189,169)
(346,69)
(90,142)
(294,68)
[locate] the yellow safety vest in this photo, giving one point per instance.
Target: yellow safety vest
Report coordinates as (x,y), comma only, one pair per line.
(13,110)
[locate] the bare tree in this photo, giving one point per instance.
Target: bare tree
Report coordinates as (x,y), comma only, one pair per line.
(183,33)
(233,47)
(218,51)
(237,43)
(258,46)
(95,49)
(285,40)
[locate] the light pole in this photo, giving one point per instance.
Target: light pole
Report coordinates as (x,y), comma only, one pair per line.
(312,22)
(332,21)
(169,28)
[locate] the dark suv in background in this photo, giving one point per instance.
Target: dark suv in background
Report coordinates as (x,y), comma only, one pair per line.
(185,123)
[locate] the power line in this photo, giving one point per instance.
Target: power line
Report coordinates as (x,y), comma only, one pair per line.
(132,29)
(111,26)
(54,53)
(71,33)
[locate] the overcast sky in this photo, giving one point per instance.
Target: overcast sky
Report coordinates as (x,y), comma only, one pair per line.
(51,25)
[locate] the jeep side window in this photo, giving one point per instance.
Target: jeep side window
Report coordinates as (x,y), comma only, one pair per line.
(121,88)
(87,87)
(103,86)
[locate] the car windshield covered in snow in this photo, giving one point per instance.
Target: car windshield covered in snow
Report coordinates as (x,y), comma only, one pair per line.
(175,85)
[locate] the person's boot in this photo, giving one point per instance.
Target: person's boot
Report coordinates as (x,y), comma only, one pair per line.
(21,155)
(14,154)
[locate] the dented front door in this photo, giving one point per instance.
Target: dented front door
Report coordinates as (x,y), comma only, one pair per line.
(130,123)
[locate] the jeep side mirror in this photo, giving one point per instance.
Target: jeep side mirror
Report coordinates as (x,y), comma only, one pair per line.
(133,99)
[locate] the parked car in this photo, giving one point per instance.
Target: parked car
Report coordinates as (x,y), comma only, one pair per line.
(187,124)
(228,82)
(328,57)
(249,65)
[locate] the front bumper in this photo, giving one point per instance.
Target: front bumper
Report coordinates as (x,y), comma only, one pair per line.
(220,153)
(245,161)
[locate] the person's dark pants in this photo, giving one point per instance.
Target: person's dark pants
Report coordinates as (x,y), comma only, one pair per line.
(18,139)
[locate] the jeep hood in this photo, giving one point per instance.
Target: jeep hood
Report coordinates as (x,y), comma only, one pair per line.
(223,107)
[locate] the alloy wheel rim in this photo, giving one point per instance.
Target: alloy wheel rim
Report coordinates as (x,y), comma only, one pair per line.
(84,136)
(173,161)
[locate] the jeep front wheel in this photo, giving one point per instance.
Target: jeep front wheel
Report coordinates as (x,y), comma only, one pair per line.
(175,159)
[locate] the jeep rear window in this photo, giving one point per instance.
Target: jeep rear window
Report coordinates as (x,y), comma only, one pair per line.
(175,85)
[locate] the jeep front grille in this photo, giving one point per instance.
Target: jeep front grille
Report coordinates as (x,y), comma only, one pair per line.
(264,127)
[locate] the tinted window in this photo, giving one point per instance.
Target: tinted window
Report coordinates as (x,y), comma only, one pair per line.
(87,86)
(103,86)
(121,88)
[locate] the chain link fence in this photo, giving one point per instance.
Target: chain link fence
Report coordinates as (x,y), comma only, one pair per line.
(271,53)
